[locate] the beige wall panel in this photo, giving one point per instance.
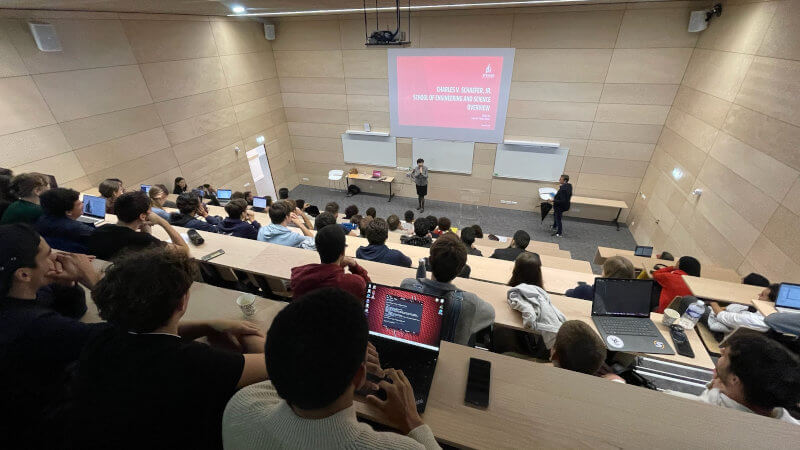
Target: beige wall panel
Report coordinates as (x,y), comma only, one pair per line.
(591,29)
(307,35)
(717,73)
(84,93)
(714,244)
(484,171)
(91,130)
(784,228)
(643,134)
(79,184)
(239,37)
(323,63)
(65,165)
(763,171)
(257,107)
(687,154)
(22,107)
(639,94)
(771,136)
(741,29)
(618,167)
(314,85)
(705,107)
(772,87)
(248,67)
(608,182)
(562,65)
(737,231)
(193,105)
(270,120)
(317,143)
(319,101)
(694,130)
(484,154)
(667,163)
(529,109)
(555,128)
(378,120)
(368,102)
(215,160)
(555,91)
(31,145)
(620,150)
(173,79)
(315,115)
(769,260)
(781,40)
(86,44)
(251,91)
(655,28)
(367,86)
(100,156)
(202,145)
(12,64)
(639,114)
(406,150)
(316,129)
(655,65)
(159,40)
(166,178)
(319,156)
(197,126)
(465,31)
(792,198)
(364,64)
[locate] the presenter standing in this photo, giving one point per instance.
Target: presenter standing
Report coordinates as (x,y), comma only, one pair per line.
(561,203)
(420,177)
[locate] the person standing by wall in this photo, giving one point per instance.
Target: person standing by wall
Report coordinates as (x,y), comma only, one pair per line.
(420,177)
(561,203)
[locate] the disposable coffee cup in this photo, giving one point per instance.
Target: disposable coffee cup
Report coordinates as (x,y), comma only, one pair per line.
(247,303)
(670,317)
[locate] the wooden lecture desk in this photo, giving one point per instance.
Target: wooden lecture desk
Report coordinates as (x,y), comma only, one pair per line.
(722,291)
(603,202)
(764,307)
(542,248)
(365,177)
(644,263)
(538,405)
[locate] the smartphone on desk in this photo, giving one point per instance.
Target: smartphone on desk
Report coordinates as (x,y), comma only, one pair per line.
(478,380)
(213,255)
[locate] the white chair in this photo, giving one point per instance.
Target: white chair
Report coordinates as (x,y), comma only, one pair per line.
(335,179)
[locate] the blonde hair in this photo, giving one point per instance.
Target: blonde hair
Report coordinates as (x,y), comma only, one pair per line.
(618,267)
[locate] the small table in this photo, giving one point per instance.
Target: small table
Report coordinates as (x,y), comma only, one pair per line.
(361,176)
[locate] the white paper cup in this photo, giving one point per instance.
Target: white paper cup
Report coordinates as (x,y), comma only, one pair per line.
(247,303)
(670,317)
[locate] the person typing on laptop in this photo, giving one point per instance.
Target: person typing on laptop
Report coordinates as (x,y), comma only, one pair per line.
(59,225)
(308,402)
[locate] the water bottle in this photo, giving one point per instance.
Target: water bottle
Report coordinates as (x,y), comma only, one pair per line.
(692,315)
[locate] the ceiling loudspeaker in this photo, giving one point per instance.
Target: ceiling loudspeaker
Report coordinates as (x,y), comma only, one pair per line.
(45,36)
(698,20)
(269,31)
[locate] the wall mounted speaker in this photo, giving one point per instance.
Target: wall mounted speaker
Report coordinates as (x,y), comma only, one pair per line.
(45,36)
(698,21)
(269,31)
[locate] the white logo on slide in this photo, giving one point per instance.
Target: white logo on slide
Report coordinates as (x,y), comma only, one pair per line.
(614,341)
(488,68)
(488,72)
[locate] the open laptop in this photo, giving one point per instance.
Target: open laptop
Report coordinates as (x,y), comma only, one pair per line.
(788,300)
(94,209)
(259,203)
(376,174)
(644,251)
(405,327)
(621,312)
(224,195)
(146,188)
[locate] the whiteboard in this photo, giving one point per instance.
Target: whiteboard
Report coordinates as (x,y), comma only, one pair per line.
(444,156)
(370,150)
(530,163)
(259,168)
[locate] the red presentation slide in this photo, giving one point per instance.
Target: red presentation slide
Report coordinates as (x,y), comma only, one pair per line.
(448,91)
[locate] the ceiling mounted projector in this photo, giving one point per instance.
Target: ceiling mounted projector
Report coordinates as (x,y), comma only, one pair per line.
(387,37)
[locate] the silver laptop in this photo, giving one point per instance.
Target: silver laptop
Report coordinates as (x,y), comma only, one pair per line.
(224,195)
(788,300)
(94,209)
(621,312)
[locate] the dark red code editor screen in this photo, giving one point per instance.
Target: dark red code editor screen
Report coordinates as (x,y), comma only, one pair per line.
(404,315)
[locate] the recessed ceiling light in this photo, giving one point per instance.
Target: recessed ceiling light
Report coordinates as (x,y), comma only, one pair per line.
(414,8)
(238,9)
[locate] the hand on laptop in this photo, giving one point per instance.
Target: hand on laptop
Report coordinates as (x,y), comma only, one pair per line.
(400,407)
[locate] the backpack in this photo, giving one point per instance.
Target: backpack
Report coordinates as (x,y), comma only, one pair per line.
(353,190)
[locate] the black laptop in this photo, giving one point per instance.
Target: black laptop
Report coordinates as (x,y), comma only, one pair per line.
(405,328)
(621,312)
(642,250)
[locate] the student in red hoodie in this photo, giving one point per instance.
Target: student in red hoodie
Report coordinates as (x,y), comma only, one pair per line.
(330,241)
(671,280)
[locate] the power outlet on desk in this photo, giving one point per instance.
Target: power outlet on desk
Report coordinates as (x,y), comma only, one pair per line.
(508,202)
(305,178)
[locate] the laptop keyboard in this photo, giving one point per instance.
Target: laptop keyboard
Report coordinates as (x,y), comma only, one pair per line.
(627,327)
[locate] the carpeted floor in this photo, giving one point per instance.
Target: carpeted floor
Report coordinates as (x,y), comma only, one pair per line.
(581,236)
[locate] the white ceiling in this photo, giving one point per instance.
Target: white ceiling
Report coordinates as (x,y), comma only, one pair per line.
(214,7)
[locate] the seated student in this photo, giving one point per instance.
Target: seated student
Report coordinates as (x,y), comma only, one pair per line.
(447,258)
(394,224)
(519,242)
(377,233)
(349,228)
(324,219)
(363,223)
(110,189)
(330,242)
(433,222)
(146,383)
(468,238)
(671,280)
(167,203)
(478,231)
(283,193)
(350,211)
(58,226)
(755,374)
(27,187)
(755,279)
(158,198)
(578,348)
(421,236)
(180,186)
(372,212)
(132,230)
(408,222)
(613,267)
(278,233)
(40,334)
(308,402)
(237,194)
(299,213)
(442,226)
(735,315)
(6,196)
(240,222)
(309,209)
(210,193)
(190,209)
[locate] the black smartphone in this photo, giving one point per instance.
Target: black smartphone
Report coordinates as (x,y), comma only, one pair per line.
(213,255)
(478,383)
(681,341)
